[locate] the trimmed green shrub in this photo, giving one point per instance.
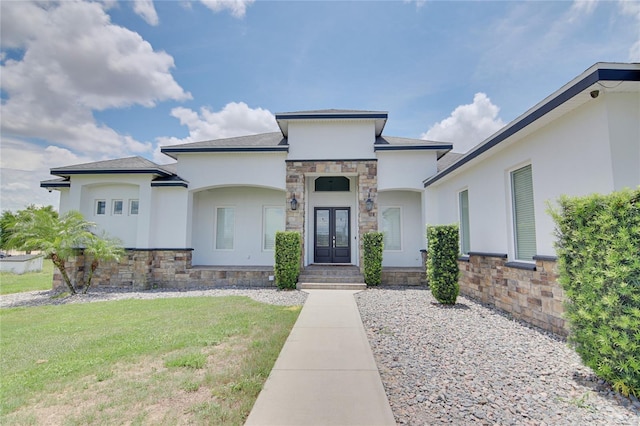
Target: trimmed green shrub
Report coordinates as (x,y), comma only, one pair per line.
(287,259)
(598,248)
(442,263)
(373,244)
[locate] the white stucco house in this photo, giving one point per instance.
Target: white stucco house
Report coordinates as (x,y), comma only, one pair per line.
(333,175)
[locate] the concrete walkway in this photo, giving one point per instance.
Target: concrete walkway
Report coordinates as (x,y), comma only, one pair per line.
(326,373)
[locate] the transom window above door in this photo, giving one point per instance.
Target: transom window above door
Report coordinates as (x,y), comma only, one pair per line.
(332,183)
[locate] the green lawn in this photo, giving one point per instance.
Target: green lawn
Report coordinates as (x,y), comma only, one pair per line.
(14,283)
(165,361)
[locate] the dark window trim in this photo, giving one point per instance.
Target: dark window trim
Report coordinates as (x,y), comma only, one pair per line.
(483,254)
(521,265)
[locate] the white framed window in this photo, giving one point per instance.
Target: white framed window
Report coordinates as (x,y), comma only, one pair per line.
(391,227)
(117,207)
(463,202)
(133,207)
(225,228)
(524,224)
(101,207)
(272,221)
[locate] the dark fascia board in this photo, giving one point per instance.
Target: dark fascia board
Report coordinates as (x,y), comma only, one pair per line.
(281,148)
(412,147)
(55,184)
(165,184)
(161,172)
(314,160)
(331,116)
(604,74)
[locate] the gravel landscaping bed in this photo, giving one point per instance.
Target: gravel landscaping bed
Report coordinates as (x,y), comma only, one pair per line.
(469,364)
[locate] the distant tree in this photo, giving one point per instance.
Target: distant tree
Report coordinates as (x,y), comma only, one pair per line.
(8,221)
(60,238)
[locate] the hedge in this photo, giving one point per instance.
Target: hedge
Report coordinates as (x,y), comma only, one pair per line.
(442,262)
(287,259)
(373,244)
(598,248)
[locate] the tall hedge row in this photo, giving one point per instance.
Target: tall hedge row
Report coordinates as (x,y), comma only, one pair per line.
(373,244)
(287,259)
(442,262)
(598,248)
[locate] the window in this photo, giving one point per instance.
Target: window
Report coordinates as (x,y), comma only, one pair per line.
(101,207)
(273,221)
(465,245)
(391,228)
(133,207)
(117,207)
(523,213)
(331,183)
(225,225)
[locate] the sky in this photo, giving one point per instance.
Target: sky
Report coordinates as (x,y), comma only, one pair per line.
(87,81)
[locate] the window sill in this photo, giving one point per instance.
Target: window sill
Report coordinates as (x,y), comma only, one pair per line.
(521,265)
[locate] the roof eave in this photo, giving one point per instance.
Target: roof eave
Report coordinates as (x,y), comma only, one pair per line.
(580,84)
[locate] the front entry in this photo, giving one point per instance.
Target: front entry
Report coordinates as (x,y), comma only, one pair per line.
(332,242)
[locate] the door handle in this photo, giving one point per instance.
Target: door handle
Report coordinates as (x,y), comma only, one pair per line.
(334,241)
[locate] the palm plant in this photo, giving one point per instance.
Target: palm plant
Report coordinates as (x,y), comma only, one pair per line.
(57,238)
(102,249)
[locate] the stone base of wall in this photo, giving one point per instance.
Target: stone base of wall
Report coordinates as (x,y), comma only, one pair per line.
(532,295)
(403,276)
(147,269)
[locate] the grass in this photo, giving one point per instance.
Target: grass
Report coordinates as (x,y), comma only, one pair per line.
(30,281)
(163,361)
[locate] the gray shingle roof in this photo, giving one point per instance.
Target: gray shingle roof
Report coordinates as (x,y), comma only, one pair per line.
(121,165)
(448,159)
(259,140)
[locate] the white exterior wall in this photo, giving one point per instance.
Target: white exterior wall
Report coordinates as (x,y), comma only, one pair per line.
(413,228)
(65,201)
(624,133)
(571,156)
(248,203)
(405,169)
(331,139)
(87,189)
(168,221)
(204,170)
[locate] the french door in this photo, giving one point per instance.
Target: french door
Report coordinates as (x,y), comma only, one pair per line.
(332,242)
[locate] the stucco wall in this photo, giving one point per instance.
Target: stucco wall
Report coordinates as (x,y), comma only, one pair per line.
(331,139)
(204,170)
(569,156)
(169,219)
(86,190)
(405,170)
(413,229)
(248,204)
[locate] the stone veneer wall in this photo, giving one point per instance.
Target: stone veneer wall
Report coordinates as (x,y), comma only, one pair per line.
(367,172)
(142,269)
(533,296)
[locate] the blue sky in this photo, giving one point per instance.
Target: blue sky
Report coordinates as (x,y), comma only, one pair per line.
(87,81)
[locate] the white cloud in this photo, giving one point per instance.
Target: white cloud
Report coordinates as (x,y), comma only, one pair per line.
(581,7)
(237,8)
(468,124)
(632,8)
(23,165)
(146,10)
(235,119)
(76,61)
